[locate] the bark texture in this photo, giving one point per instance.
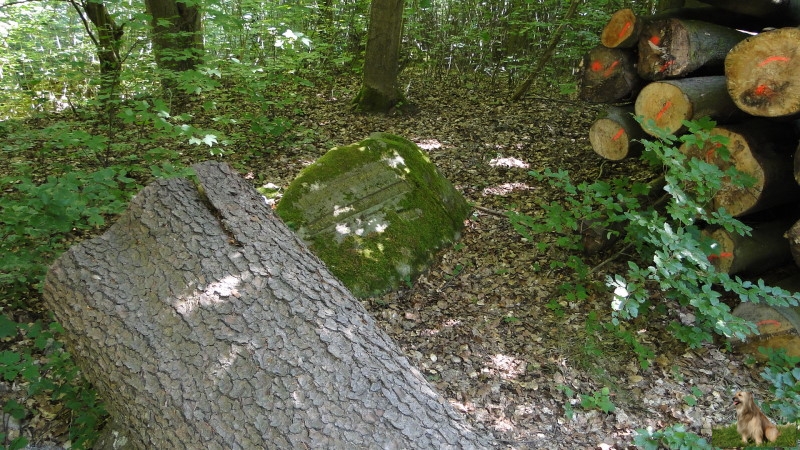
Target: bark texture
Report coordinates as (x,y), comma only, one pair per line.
(666,104)
(673,48)
(379,91)
(205,323)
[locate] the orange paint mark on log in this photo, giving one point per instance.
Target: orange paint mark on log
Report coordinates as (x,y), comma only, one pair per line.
(712,256)
(661,113)
(768,322)
(655,40)
(712,151)
(596,66)
(624,30)
(618,135)
(763,90)
(608,72)
(772,59)
(666,65)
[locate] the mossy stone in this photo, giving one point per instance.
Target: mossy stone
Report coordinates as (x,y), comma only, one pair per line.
(375,212)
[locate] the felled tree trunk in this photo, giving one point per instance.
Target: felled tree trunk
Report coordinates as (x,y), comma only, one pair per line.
(760,149)
(778,11)
(672,48)
(765,248)
(205,323)
(609,75)
(764,73)
(616,135)
(666,104)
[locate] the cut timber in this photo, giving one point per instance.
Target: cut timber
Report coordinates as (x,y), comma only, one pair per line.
(609,75)
(797,164)
(761,150)
(205,323)
(666,104)
(764,249)
(778,328)
(622,30)
(780,12)
(763,73)
(793,235)
(616,135)
(672,48)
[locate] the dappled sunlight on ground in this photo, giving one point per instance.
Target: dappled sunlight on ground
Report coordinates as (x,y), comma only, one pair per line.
(509,162)
(506,188)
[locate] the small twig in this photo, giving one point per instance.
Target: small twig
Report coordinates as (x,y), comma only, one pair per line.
(611,258)
(490,211)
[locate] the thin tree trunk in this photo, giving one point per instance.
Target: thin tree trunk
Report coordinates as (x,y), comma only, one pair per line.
(107,40)
(548,52)
(379,91)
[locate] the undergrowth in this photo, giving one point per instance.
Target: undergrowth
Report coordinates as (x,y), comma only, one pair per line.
(661,222)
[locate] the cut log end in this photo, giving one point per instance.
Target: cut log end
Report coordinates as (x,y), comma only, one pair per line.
(776,329)
(609,139)
(622,30)
(664,107)
(763,73)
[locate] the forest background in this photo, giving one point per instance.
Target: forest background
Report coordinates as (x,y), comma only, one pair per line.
(99,97)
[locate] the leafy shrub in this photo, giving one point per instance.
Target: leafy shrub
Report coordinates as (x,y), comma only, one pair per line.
(48,371)
(36,219)
(667,237)
(673,258)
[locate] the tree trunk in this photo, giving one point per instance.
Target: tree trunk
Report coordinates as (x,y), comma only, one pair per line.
(548,52)
(617,135)
(666,104)
(762,150)
(764,73)
(672,48)
(764,249)
(609,75)
(624,28)
(780,12)
(778,326)
(205,323)
(107,40)
(379,91)
(177,36)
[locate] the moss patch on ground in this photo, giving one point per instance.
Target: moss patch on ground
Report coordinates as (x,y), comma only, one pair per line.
(375,212)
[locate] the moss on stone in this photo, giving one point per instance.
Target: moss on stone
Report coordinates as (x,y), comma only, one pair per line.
(375,212)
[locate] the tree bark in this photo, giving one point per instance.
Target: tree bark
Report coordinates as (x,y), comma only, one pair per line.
(672,48)
(205,323)
(177,36)
(379,91)
(609,75)
(762,150)
(780,12)
(666,104)
(764,249)
(624,28)
(764,73)
(615,136)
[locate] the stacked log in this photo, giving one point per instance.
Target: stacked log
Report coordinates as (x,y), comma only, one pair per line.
(692,63)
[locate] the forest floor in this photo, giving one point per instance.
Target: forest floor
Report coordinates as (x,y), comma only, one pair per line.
(486,324)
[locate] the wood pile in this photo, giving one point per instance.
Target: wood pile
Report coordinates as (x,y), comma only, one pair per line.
(739,64)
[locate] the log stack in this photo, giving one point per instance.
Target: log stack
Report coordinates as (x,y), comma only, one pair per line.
(737,63)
